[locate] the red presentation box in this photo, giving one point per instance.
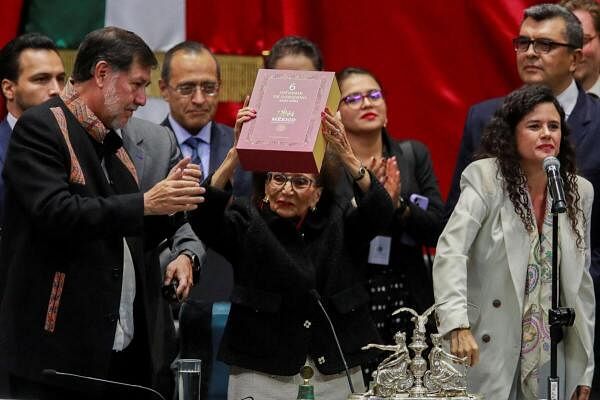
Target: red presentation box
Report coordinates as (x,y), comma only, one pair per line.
(286,134)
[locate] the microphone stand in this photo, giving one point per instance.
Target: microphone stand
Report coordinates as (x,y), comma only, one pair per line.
(557,316)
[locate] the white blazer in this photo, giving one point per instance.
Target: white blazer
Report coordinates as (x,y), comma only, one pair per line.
(479,277)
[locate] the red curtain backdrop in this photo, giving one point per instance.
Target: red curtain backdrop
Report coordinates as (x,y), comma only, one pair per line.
(434,59)
(10,17)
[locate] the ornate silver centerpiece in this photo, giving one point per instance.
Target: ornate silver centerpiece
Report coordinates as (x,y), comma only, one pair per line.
(399,376)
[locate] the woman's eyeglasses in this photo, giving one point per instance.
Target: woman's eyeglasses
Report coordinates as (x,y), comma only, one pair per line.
(355,100)
(298,182)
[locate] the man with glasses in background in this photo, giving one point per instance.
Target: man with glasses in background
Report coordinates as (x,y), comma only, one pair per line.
(548,50)
(190,82)
(587,72)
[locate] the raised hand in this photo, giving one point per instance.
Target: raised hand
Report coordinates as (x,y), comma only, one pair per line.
(392,182)
(245,114)
(335,135)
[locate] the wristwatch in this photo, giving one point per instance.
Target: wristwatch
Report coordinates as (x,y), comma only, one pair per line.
(362,171)
(402,205)
(195,263)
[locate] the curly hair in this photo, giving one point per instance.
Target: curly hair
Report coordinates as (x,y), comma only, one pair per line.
(499,140)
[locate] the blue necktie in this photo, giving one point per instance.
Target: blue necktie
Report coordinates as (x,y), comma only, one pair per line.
(194,143)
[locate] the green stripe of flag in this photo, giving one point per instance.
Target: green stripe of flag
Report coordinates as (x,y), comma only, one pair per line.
(64,21)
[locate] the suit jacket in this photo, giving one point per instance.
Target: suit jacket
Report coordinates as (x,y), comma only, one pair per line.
(584,125)
(154,151)
(62,252)
(481,259)
(4,137)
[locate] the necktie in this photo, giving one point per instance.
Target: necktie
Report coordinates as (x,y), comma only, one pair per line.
(120,176)
(194,143)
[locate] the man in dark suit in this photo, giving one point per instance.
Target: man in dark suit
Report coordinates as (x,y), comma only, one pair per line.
(78,296)
(31,72)
(548,50)
(190,82)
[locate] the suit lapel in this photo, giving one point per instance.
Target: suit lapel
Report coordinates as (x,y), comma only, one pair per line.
(517,247)
(5,132)
(134,145)
(218,149)
(579,118)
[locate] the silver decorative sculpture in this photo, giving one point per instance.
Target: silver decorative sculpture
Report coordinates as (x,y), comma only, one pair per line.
(392,375)
(400,377)
(447,372)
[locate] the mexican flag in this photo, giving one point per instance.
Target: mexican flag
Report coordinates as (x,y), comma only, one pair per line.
(67,22)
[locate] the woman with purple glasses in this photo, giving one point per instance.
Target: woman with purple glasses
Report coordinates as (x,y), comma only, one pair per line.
(398,275)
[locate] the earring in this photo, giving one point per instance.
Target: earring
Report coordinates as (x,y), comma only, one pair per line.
(265,199)
(313,208)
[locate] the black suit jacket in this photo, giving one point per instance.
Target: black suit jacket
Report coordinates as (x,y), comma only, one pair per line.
(4,138)
(275,322)
(584,124)
(421,227)
(62,252)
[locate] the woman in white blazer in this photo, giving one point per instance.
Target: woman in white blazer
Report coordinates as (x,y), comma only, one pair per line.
(492,267)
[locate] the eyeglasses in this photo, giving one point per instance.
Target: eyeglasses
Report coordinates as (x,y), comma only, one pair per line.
(588,38)
(540,46)
(298,182)
(355,100)
(188,89)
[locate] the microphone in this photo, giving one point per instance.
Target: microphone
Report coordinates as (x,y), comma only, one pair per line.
(552,168)
(54,373)
(317,297)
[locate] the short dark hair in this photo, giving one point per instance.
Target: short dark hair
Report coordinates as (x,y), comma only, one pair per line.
(118,47)
(542,12)
(10,53)
(343,74)
(295,45)
(188,47)
(591,6)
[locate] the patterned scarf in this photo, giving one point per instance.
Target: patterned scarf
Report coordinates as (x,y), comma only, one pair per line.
(535,339)
(92,124)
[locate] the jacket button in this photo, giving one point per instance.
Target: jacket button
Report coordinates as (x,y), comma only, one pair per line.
(307,324)
(486,338)
(321,360)
(116,273)
(496,303)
